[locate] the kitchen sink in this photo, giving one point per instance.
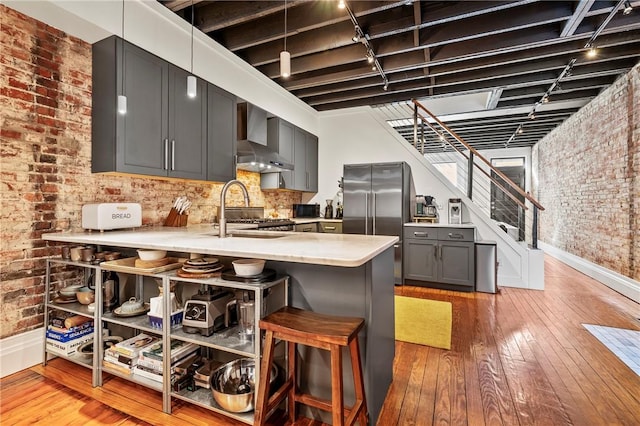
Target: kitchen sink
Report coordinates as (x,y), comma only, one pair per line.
(260,235)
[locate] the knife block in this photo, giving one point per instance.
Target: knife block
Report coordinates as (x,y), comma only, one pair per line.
(176,219)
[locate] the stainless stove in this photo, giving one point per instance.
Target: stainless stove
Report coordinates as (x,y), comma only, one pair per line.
(254,216)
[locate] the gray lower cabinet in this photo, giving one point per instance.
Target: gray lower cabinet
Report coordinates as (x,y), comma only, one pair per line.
(330,227)
(164,132)
(306,227)
(442,257)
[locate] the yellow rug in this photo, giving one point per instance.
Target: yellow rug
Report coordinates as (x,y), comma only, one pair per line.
(423,321)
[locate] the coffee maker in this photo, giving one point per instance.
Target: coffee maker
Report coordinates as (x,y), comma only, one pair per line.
(426,206)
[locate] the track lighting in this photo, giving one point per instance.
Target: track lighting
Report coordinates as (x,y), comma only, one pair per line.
(532,115)
(592,52)
(361,37)
(545,99)
(341,4)
(285,56)
(627,8)
(520,130)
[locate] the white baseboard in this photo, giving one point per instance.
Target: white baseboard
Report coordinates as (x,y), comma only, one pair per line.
(612,279)
(21,351)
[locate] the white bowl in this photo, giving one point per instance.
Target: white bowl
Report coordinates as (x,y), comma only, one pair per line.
(248,267)
(70,290)
(148,254)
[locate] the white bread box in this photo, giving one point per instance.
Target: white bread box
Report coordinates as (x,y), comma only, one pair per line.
(105,216)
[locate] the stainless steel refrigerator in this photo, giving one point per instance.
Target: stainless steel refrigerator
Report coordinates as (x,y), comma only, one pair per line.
(378,200)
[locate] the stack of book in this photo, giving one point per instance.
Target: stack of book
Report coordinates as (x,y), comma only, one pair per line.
(123,356)
(149,363)
(65,341)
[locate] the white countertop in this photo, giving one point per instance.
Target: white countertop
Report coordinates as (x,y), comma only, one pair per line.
(440,225)
(346,250)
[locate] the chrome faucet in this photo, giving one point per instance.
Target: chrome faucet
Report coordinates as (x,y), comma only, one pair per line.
(222,225)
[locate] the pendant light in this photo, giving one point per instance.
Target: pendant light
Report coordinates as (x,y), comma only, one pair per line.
(192,88)
(285,56)
(122,99)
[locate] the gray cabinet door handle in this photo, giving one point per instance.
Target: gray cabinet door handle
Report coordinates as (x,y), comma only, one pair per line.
(456,236)
(420,234)
(166,154)
(330,228)
(173,154)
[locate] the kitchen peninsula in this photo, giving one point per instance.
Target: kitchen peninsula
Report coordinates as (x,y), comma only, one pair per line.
(336,274)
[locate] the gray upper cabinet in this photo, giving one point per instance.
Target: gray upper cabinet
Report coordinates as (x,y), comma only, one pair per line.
(280,139)
(187,142)
(312,163)
(300,179)
(222,130)
(163,133)
(298,147)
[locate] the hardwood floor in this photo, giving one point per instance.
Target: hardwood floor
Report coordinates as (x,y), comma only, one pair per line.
(520,357)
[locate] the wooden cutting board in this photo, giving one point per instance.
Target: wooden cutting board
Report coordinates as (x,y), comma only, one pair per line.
(146,264)
(184,274)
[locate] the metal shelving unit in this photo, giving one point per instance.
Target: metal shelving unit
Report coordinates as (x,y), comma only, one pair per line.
(227,342)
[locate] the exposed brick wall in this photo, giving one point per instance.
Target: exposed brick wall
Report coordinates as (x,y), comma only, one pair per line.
(588,179)
(45,163)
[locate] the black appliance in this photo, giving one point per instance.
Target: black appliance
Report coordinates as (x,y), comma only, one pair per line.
(306,210)
(255,216)
(267,224)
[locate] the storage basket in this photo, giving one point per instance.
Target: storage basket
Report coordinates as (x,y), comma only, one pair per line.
(176,320)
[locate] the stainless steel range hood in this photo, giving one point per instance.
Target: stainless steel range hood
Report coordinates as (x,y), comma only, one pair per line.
(253,154)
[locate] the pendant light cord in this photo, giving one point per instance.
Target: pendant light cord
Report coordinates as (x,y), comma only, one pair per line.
(192,13)
(285,25)
(122,78)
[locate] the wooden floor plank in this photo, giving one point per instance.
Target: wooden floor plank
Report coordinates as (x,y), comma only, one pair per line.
(520,357)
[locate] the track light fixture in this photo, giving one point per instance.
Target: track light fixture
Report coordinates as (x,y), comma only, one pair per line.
(192,84)
(341,4)
(285,56)
(627,8)
(592,52)
(370,58)
(361,37)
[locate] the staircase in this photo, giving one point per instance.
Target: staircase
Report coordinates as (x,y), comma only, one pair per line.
(486,192)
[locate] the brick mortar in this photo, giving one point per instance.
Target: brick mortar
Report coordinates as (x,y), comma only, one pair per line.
(587,180)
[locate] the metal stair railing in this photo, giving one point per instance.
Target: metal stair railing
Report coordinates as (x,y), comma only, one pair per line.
(477,186)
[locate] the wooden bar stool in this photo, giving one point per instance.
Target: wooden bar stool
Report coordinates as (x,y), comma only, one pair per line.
(297,326)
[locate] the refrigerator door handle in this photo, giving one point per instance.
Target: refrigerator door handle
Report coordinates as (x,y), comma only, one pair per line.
(373,232)
(366,213)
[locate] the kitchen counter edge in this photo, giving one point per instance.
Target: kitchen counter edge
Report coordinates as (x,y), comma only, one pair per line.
(344,250)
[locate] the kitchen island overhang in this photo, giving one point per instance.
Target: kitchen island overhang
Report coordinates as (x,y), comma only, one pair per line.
(336,274)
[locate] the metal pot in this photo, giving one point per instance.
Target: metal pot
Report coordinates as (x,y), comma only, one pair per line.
(233,384)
